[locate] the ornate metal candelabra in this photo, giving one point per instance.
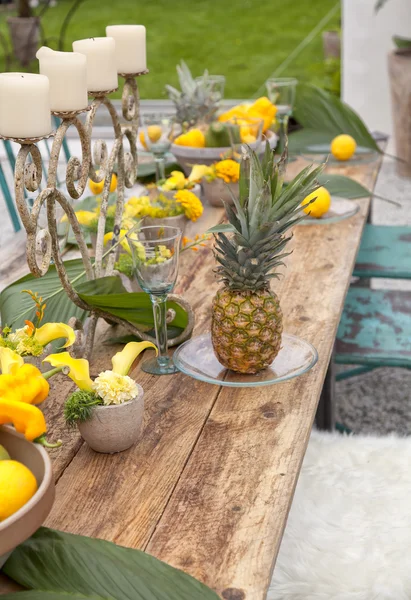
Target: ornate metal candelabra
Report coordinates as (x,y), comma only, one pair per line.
(43,244)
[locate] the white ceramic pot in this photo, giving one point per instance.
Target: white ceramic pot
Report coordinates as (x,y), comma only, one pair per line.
(170,194)
(217,190)
(116,427)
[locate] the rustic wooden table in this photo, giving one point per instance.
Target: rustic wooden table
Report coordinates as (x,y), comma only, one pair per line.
(209,486)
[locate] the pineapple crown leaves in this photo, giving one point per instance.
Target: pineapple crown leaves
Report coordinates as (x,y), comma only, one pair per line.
(195,101)
(262,214)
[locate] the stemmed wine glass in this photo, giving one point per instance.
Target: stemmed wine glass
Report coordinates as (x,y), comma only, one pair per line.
(244,130)
(158,133)
(281,92)
(214,84)
(155,251)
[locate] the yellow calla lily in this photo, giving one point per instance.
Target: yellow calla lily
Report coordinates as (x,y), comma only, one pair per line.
(84,217)
(123,240)
(122,361)
(53,331)
(176,181)
(79,369)
(198,172)
(9,360)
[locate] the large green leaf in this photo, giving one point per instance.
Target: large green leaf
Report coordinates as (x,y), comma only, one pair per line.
(345,187)
(133,307)
(106,293)
(326,116)
(96,570)
(15,307)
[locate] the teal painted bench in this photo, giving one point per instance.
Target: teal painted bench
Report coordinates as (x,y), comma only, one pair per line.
(374,331)
(385,251)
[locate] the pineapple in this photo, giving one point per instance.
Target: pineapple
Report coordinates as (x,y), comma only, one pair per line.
(197,102)
(247,321)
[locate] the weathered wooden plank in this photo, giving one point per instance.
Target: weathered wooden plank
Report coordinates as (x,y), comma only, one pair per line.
(209,486)
(225,520)
(128,492)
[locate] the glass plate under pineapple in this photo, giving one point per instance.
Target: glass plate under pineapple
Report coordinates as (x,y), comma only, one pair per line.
(196,358)
(320,153)
(340,209)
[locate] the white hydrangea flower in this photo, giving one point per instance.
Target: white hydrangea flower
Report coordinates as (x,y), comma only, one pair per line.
(114,388)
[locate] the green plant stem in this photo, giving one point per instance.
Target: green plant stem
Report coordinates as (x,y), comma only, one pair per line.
(52,372)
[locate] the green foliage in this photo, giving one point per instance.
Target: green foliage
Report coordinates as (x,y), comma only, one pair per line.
(268,33)
(125,265)
(106,293)
(79,406)
(61,566)
(321,112)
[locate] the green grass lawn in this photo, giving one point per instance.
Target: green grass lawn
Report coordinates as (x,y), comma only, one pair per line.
(244,40)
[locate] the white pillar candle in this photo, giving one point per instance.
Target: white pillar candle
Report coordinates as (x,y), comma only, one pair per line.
(67,74)
(101,63)
(24,105)
(130,47)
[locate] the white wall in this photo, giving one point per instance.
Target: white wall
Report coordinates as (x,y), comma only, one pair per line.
(366,42)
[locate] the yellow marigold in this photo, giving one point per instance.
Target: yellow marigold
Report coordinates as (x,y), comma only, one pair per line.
(228,170)
(193,209)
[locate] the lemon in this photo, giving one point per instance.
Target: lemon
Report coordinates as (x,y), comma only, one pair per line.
(343,147)
(97,188)
(17,486)
(154,134)
(321,205)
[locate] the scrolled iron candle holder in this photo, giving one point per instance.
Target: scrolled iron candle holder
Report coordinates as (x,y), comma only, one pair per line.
(43,244)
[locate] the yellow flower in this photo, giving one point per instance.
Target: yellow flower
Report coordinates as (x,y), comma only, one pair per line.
(79,370)
(263,109)
(84,217)
(123,361)
(194,138)
(134,208)
(53,331)
(114,388)
(30,341)
(122,237)
(176,181)
(9,361)
(193,209)
(198,172)
(238,111)
(228,170)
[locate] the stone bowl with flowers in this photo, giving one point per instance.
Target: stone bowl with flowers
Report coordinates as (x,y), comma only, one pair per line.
(220,181)
(175,182)
(109,410)
(177,211)
(206,143)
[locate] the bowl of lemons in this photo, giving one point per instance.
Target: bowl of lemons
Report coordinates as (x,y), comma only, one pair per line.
(26,489)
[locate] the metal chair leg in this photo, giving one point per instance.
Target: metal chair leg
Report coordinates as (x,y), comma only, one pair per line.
(325,416)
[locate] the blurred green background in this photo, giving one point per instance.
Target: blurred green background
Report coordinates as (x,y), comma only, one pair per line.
(245,40)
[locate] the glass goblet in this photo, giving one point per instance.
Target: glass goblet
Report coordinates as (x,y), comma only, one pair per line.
(214,85)
(155,252)
(158,135)
(244,130)
(281,91)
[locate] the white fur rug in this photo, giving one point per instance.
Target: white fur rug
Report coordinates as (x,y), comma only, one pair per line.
(348,535)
